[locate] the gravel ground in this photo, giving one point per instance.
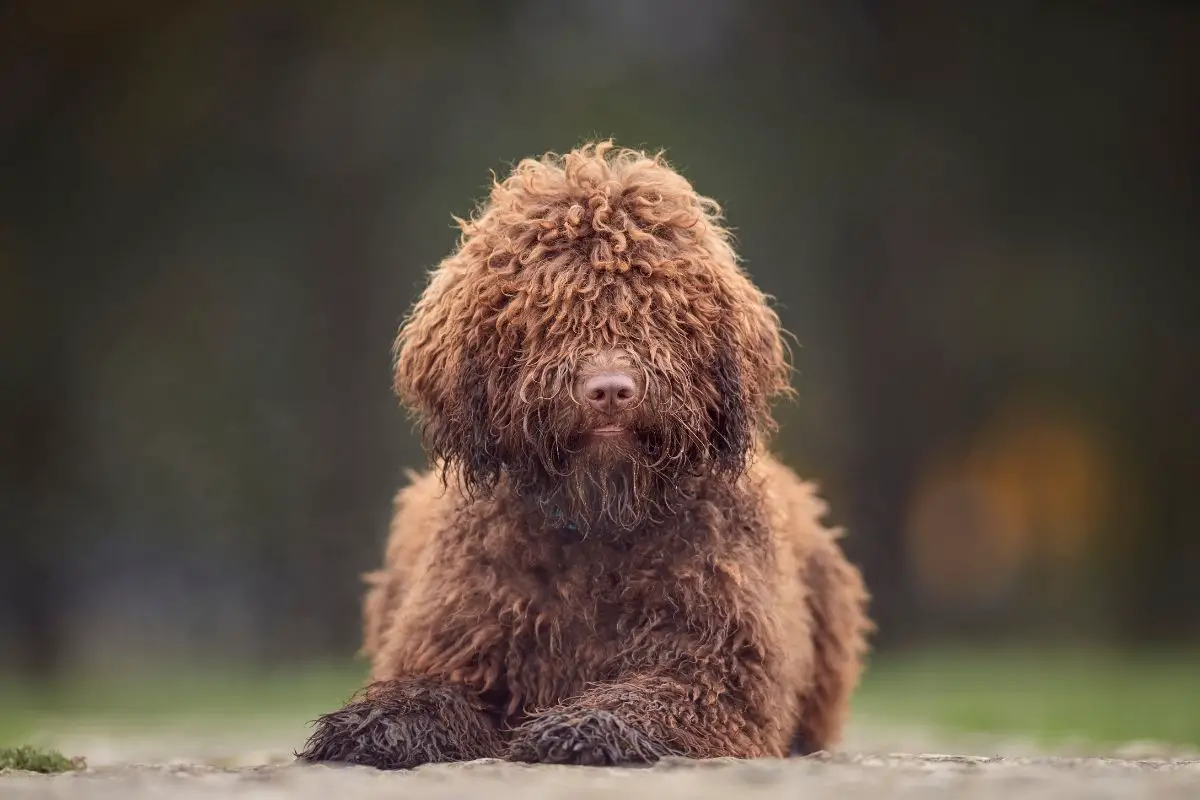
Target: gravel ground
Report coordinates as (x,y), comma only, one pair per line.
(876,762)
(840,776)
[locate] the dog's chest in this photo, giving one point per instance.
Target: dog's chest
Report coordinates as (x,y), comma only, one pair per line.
(586,613)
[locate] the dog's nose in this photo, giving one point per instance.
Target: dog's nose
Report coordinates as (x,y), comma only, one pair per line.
(610,391)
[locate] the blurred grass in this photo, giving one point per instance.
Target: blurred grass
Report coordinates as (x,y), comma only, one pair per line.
(222,696)
(1099,696)
(37,759)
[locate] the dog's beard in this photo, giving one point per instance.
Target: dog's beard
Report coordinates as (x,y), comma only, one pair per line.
(591,484)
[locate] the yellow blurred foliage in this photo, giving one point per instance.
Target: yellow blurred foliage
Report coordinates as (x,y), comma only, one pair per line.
(1034,484)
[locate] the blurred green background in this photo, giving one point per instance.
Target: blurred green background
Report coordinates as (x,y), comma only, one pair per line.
(980,221)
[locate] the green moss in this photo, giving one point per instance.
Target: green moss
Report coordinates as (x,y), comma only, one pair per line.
(37,759)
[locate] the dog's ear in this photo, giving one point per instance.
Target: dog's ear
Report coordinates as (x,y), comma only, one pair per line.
(426,353)
(440,374)
(730,423)
(461,434)
(475,439)
(767,372)
(754,332)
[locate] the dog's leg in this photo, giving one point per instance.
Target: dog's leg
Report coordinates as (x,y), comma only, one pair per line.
(641,720)
(837,604)
(400,724)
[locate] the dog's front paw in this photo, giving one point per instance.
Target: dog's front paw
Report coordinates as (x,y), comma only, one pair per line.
(366,734)
(587,737)
(402,731)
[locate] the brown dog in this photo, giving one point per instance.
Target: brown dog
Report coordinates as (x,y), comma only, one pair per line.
(607,566)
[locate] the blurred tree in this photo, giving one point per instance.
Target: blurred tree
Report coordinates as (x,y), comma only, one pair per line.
(212,217)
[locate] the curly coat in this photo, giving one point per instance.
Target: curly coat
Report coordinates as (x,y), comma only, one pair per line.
(546,598)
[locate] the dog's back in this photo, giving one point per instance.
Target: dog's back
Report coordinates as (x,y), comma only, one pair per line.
(420,509)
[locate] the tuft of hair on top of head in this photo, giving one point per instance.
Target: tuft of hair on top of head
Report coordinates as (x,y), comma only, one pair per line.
(614,202)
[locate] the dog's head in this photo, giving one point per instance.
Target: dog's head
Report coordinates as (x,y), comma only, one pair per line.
(593,340)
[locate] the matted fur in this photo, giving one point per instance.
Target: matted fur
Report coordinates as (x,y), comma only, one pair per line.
(672,593)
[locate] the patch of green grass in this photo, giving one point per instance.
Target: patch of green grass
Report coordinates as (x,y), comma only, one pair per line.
(168,694)
(1106,697)
(36,759)
(1049,695)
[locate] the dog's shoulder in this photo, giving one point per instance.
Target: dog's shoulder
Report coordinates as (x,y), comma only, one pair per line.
(794,507)
(419,510)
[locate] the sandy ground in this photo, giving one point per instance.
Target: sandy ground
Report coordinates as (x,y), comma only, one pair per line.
(876,761)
